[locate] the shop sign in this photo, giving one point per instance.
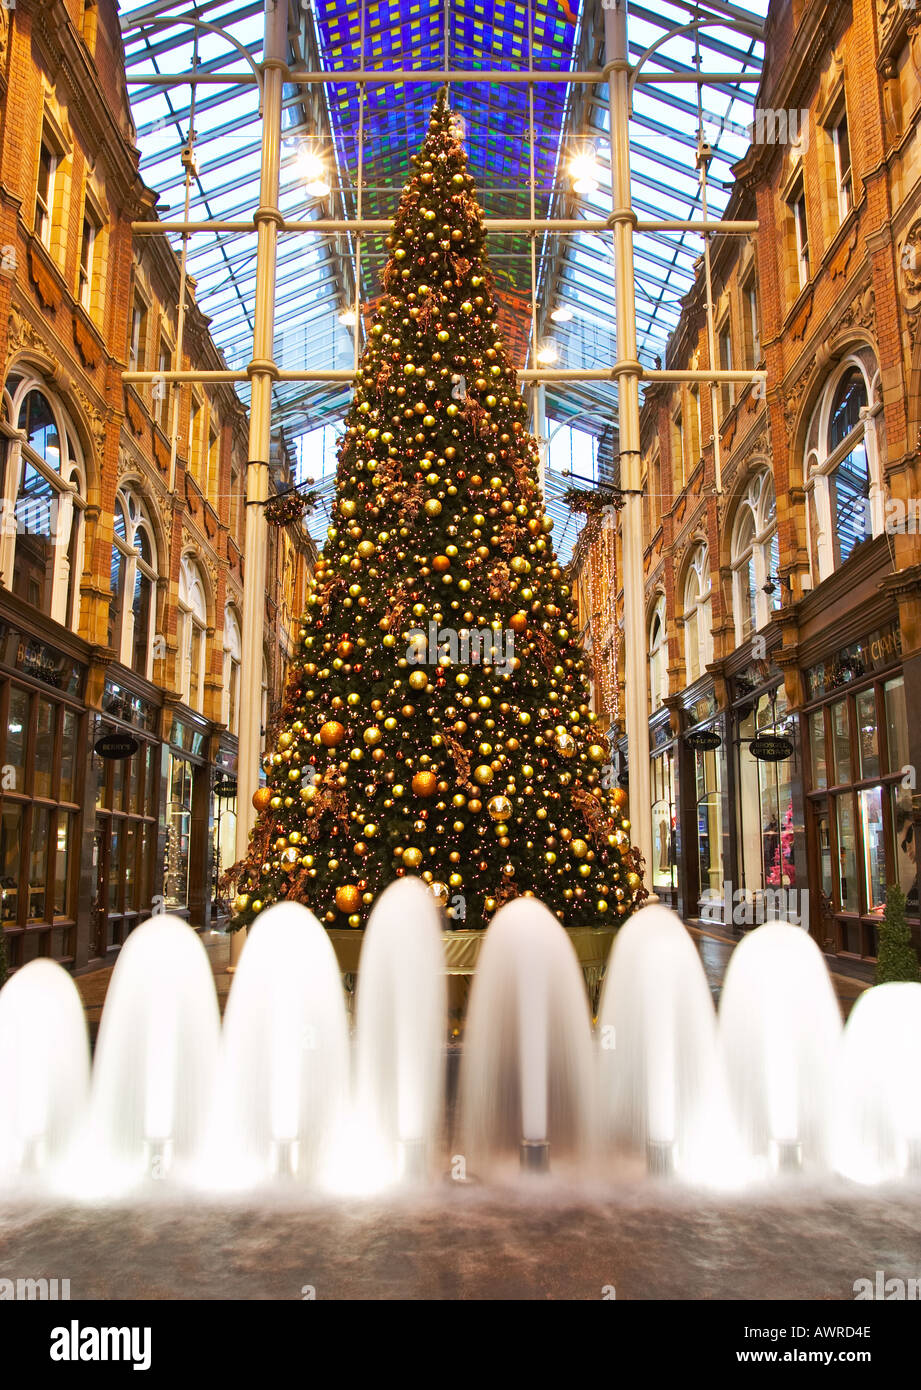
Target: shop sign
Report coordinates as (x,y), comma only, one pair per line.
(703,739)
(116,746)
(225,787)
(771,748)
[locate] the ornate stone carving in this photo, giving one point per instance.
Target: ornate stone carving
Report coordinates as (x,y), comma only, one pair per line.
(910,274)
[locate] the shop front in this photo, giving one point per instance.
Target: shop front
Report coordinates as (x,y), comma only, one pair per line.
(663,783)
(704,807)
(223,827)
(859,781)
(126,761)
(187,776)
(769,871)
(43,731)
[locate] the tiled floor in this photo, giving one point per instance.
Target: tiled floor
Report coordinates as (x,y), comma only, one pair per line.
(715,951)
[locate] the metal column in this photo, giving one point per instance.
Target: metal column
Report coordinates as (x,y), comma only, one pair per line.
(262,372)
(627,374)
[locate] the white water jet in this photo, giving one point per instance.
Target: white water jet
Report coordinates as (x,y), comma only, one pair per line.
(401,1013)
(155,1057)
(283,1077)
(662,1093)
(779,1028)
(46,1060)
(878,1102)
(526,1072)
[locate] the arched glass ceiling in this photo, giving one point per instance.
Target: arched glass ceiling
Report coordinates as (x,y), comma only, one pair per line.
(317,274)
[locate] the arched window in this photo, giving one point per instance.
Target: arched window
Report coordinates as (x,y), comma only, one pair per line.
(698,629)
(193,622)
(755,558)
(44,490)
(658,656)
(132,607)
(233,649)
(843,474)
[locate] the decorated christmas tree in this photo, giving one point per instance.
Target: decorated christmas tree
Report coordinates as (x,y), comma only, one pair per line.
(436,719)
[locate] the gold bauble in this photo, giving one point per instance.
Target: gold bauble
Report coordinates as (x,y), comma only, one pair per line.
(483,774)
(518,622)
(579,848)
(566,745)
(372,735)
(433,507)
(331,733)
(412,857)
(596,753)
(619,797)
(418,680)
(499,807)
(633,880)
(424,784)
(241,902)
(348,898)
(262,798)
(440,564)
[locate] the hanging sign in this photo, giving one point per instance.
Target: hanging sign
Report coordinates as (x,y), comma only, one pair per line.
(706,739)
(771,748)
(225,787)
(116,746)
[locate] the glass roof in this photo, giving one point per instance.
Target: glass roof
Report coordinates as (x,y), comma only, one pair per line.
(363,138)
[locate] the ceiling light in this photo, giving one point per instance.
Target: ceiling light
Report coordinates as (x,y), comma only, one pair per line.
(561,314)
(547,352)
(348,317)
(584,171)
(312,170)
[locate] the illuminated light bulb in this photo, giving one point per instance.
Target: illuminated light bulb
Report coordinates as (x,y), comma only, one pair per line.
(561,314)
(547,353)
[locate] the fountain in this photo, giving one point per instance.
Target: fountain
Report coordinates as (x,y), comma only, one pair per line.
(878,1109)
(283,1077)
(661,1088)
(779,1030)
(526,1073)
(401,1011)
(45,1051)
(155,1056)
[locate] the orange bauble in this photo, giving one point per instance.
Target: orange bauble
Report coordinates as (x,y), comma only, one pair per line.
(261,798)
(518,622)
(425,784)
(332,733)
(440,564)
(619,797)
(345,648)
(348,898)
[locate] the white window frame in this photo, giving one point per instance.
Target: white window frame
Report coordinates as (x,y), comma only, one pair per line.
(844,176)
(136,520)
(44,202)
(193,631)
(68,482)
(821,463)
(759,504)
(658,656)
(233,657)
(698,614)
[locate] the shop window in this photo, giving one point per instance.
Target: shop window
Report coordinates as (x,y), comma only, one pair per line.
(766,834)
(45,489)
(843,469)
(755,556)
(132,607)
(863,831)
(127,815)
(698,629)
(179,830)
(664,820)
(39,820)
(658,656)
(709,815)
(193,618)
(232,658)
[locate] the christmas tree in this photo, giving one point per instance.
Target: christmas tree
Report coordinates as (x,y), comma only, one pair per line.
(897,959)
(436,719)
